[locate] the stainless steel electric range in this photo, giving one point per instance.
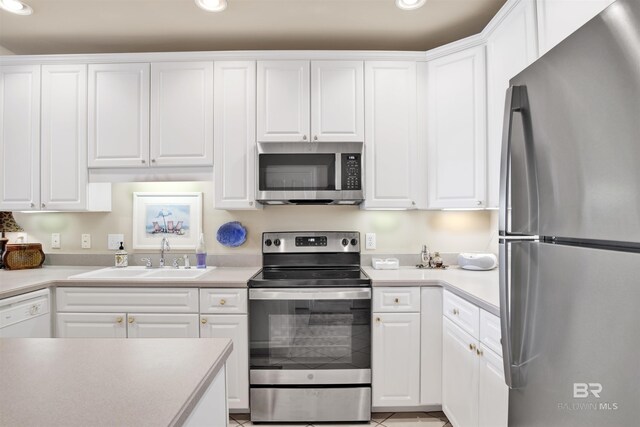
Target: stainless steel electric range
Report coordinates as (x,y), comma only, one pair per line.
(310,330)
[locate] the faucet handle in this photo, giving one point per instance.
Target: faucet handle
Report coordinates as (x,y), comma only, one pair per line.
(147,261)
(175,263)
(187,263)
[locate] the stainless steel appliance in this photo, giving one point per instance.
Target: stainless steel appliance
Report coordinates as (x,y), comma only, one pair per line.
(570,229)
(311,173)
(310,330)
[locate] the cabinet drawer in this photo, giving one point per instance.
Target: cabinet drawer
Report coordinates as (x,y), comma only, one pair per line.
(490,331)
(139,300)
(396,300)
(462,313)
(223,301)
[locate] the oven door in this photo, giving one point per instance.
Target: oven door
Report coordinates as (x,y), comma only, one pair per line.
(310,336)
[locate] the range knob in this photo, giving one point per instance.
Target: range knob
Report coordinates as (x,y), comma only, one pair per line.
(345,242)
(267,242)
(276,242)
(354,242)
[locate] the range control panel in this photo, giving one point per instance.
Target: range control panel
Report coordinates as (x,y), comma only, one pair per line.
(311,241)
(351,171)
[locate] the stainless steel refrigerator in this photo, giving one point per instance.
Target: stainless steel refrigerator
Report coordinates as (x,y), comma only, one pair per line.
(570,229)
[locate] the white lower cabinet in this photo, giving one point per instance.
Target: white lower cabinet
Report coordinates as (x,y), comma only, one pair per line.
(224,315)
(395,361)
(91,325)
(431,346)
(473,389)
(146,325)
(460,372)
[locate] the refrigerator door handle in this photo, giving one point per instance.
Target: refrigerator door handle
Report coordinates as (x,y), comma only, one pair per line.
(513,104)
(505,315)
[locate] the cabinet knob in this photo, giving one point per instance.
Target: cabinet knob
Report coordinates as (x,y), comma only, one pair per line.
(456,312)
(33,205)
(378,319)
(33,310)
(132,319)
(222,302)
(472,347)
(153,160)
(396,300)
(315,138)
(43,205)
(143,161)
(250,203)
(479,202)
(479,352)
(304,137)
(203,321)
(119,319)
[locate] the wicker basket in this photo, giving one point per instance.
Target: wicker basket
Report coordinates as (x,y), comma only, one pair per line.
(22,256)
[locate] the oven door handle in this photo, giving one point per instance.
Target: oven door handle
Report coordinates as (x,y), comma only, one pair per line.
(309,294)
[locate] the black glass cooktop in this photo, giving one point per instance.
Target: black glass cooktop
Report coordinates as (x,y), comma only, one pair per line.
(309,277)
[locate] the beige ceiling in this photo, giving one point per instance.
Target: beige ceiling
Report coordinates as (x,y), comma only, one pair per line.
(88,26)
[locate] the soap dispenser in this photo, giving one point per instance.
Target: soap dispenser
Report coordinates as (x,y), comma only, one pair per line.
(122,257)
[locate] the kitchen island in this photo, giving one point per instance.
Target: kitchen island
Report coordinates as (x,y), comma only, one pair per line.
(108,382)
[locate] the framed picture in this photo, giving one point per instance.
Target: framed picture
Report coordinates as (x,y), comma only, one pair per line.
(176,216)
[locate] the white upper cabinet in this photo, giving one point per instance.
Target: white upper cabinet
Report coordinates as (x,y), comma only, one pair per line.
(337,101)
(456,118)
(64,137)
(118,115)
(182,113)
(557,19)
(511,47)
(235,134)
(318,101)
(19,137)
(283,101)
(391,147)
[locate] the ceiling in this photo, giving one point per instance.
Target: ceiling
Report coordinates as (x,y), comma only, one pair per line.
(98,26)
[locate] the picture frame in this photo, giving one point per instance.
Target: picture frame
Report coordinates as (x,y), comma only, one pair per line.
(176,216)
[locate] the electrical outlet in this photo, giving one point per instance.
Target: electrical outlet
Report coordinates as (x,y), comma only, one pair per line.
(113,241)
(55,240)
(86,241)
(370,241)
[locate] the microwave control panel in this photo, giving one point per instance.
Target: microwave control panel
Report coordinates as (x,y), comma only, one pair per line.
(351,171)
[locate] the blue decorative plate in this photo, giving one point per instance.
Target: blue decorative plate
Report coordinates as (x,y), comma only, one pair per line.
(232,234)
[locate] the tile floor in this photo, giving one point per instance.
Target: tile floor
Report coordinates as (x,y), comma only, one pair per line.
(378,419)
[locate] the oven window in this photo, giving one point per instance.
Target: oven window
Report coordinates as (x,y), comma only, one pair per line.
(297,172)
(310,334)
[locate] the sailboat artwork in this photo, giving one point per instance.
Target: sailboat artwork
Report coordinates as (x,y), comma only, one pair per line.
(167,219)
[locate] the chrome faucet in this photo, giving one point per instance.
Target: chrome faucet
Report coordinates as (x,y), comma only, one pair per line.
(164,246)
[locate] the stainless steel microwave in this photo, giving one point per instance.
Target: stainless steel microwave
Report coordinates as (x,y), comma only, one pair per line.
(309,173)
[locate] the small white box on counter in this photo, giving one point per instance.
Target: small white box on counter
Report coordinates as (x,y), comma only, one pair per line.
(385,264)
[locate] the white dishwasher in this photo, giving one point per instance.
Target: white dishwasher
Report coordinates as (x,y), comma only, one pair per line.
(26,316)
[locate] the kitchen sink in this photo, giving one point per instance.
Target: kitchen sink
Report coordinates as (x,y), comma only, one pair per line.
(142,273)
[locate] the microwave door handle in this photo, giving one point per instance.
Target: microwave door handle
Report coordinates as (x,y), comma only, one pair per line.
(338,171)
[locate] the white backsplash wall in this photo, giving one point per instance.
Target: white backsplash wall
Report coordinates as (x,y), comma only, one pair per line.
(401,232)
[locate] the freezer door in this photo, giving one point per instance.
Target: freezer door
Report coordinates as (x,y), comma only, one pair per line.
(574,344)
(584,107)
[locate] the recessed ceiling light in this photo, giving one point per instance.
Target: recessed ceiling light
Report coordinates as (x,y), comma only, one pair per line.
(212,5)
(16,6)
(410,4)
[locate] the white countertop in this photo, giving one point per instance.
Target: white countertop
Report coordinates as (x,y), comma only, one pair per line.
(16,282)
(477,287)
(103,382)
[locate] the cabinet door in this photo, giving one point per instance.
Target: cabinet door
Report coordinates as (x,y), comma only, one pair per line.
(511,47)
(557,19)
(118,115)
(143,325)
(235,327)
(19,137)
(91,325)
(182,113)
(235,134)
(337,101)
(283,101)
(64,137)
(395,361)
(457,130)
(459,376)
(493,405)
(390,146)
(431,346)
